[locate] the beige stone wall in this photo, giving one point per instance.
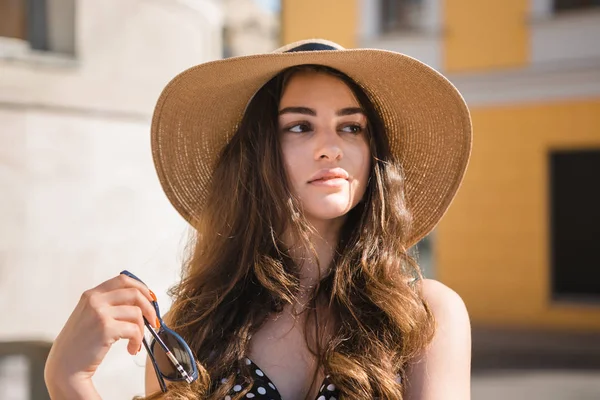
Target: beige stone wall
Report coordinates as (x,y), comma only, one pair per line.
(79,198)
(126,52)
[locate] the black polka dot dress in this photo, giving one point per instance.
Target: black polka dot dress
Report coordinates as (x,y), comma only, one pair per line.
(263,388)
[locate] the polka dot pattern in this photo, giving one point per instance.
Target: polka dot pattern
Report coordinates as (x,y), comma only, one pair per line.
(263,388)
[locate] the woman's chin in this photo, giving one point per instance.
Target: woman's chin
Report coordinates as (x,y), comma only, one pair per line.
(327,211)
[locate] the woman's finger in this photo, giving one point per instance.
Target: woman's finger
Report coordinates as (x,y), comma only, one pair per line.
(120,282)
(131,314)
(126,330)
(131,297)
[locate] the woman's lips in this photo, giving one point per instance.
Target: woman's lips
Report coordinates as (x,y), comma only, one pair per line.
(329,173)
(329,182)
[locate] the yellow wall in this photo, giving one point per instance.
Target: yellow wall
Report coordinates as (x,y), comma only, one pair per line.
(335,20)
(477,34)
(493,245)
(483,34)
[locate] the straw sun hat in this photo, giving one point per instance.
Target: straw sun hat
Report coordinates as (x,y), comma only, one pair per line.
(425,117)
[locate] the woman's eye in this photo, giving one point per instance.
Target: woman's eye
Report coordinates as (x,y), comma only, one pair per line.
(352,129)
(298,128)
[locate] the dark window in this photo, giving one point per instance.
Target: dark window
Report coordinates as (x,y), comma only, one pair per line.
(575,224)
(400,15)
(38,24)
(25,19)
(45,24)
(565,5)
(22,369)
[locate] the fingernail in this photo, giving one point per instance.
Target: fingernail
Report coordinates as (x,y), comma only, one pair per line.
(152,295)
(157,322)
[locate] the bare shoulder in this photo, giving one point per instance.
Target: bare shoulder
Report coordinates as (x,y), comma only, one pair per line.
(444,368)
(446,305)
(453,327)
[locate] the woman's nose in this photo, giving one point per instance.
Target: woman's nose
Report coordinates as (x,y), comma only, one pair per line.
(328,146)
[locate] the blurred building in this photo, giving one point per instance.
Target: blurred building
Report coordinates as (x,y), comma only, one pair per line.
(250,27)
(79,199)
(521,242)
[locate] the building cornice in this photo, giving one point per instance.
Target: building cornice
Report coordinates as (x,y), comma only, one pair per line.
(557,81)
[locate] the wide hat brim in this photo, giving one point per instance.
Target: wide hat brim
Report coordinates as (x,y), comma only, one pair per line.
(425,117)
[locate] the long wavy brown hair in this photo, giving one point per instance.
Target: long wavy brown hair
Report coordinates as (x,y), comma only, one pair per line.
(238,270)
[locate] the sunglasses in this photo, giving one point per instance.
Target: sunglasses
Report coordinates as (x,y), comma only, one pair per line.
(171,356)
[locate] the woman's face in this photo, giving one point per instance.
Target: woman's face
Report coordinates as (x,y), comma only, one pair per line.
(324,144)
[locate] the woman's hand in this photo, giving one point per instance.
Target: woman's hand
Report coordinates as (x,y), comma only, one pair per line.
(111,311)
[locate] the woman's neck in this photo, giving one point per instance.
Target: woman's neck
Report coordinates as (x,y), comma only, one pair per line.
(324,241)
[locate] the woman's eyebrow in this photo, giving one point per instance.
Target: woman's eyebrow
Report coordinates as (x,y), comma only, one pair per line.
(312,112)
(298,110)
(350,111)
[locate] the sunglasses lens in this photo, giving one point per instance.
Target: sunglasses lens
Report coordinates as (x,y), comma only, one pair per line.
(177,349)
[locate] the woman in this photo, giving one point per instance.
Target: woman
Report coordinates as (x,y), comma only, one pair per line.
(307,173)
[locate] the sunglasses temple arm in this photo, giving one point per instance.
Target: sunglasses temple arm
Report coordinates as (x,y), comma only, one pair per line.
(156,337)
(161,381)
(168,352)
